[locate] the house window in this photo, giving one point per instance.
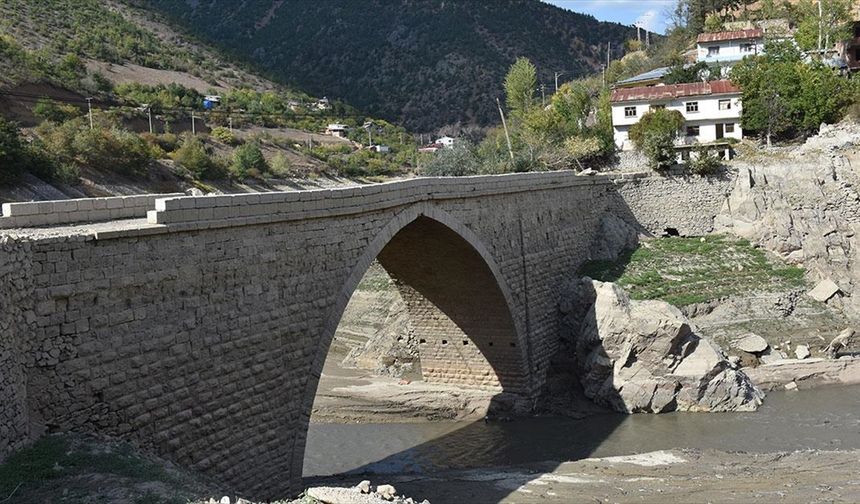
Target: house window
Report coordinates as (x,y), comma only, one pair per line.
(714,51)
(692,107)
(692,131)
(725,104)
(629,111)
(747,48)
(729,127)
(659,106)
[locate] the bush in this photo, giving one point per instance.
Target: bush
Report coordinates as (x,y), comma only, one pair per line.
(280,166)
(661,122)
(705,162)
(456,162)
(49,110)
(582,149)
(224,135)
(654,135)
(248,161)
(192,156)
(114,150)
(12,153)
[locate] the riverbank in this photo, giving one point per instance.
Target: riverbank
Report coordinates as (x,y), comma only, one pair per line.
(664,476)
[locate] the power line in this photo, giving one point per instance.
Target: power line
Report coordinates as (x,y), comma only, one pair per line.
(111,104)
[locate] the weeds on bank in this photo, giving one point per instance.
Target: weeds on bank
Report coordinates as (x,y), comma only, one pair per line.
(684,271)
(58,457)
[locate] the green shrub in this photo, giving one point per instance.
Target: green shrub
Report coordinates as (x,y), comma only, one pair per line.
(280,166)
(192,156)
(704,162)
(654,135)
(248,161)
(49,110)
(224,135)
(114,150)
(13,158)
(456,162)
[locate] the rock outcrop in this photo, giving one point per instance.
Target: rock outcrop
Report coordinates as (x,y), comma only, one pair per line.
(806,209)
(643,356)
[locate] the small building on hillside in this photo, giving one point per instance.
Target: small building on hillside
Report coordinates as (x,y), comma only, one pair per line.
(322,104)
(446,142)
(337,130)
(729,47)
(380,148)
(711,110)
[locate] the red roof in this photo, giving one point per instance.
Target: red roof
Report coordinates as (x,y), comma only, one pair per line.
(730,35)
(673,91)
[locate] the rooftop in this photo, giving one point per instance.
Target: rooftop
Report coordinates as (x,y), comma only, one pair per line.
(752,33)
(657,73)
(674,91)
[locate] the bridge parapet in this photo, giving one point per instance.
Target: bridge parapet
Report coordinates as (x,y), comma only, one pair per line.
(48,213)
(203,212)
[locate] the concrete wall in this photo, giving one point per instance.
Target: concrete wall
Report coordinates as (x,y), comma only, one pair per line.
(203,333)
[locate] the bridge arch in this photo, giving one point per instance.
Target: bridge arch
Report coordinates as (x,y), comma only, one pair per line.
(456,297)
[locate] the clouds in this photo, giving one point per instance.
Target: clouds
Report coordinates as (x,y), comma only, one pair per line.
(650,14)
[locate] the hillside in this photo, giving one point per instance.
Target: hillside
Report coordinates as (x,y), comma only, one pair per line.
(150,129)
(421,63)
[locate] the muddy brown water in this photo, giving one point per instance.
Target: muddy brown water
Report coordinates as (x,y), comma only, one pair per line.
(821,419)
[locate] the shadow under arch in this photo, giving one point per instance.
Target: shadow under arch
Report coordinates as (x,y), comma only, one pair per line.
(456,298)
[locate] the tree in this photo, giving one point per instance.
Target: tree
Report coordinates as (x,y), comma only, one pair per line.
(248,160)
(520,86)
(654,135)
(816,31)
(783,96)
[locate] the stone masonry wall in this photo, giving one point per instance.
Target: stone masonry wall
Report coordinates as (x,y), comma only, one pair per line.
(686,203)
(15,273)
(202,333)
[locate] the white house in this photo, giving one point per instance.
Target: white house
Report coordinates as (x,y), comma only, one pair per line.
(337,130)
(380,148)
(446,142)
(729,47)
(711,110)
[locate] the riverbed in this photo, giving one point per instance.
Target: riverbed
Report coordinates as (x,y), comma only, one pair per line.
(820,419)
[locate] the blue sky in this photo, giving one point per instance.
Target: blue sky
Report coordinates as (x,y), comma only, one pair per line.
(651,13)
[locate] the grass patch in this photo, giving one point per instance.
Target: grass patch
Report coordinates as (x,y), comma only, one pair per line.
(56,457)
(685,271)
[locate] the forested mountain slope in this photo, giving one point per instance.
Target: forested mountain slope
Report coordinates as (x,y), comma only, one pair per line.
(423,63)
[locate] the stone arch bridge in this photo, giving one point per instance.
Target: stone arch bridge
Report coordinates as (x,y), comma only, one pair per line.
(200,330)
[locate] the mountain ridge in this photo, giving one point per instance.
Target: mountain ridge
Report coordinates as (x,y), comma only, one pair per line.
(421,63)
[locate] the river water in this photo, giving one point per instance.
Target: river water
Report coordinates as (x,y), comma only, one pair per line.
(823,419)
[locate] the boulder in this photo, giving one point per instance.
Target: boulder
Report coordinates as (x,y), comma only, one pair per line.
(751,343)
(825,290)
(643,356)
(363,487)
(615,236)
(802,352)
(387,492)
(338,495)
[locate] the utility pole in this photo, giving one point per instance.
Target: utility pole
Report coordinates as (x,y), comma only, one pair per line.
(505,126)
(230,120)
(608,52)
(557,75)
(193,127)
(638,33)
(542,95)
(149,116)
(90,111)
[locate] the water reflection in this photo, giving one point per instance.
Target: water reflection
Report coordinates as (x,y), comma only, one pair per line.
(822,419)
